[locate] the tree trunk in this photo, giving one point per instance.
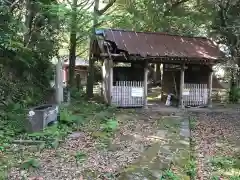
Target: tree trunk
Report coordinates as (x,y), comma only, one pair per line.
(238,72)
(96,14)
(30,13)
(73,43)
(90,79)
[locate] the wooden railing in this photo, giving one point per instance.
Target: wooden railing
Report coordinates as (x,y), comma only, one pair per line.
(128,94)
(195,94)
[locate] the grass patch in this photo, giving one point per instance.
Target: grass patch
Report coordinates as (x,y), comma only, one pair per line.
(169,175)
(80,157)
(191,168)
(170,123)
(79,116)
(227,167)
(30,164)
(223,162)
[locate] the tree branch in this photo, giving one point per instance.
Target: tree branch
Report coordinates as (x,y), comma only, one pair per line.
(80,39)
(69,2)
(82,52)
(89,6)
(84,3)
(173,6)
(100,12)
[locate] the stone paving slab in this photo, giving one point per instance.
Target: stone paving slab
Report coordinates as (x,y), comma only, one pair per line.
(160,155)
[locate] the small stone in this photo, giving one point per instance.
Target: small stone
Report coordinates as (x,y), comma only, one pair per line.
(76,135)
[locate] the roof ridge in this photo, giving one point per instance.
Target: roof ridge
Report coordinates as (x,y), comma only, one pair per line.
(160,33)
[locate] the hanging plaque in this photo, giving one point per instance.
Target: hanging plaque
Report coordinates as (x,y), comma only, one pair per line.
(137,92)
(186,92)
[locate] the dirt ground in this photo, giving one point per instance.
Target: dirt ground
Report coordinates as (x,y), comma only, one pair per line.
(147,144)
(143,147)
(217,136)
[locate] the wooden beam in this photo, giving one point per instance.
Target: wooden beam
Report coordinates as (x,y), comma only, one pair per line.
(112,54)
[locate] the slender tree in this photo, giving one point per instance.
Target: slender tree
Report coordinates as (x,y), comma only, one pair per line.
(96,14)
(72,42)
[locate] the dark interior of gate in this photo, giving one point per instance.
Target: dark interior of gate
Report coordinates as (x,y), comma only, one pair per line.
(195,77)
(129,57)
(127,90)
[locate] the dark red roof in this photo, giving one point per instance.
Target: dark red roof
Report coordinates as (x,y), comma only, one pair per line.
(162,44)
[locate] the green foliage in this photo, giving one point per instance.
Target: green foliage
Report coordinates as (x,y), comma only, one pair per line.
(215,178)
(189,18)
(67,117)
(230,178)
(169,175)
(12,122)
(192,123)
(80,156)
(234,178)
(52,134)
(77,94)
(234,94)
(25,67)
(30,163)
(190,169)
(110,125)
(223,162)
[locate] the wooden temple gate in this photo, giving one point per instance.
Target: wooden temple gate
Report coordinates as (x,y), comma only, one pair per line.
(123,88)
(195,90)
(115,46)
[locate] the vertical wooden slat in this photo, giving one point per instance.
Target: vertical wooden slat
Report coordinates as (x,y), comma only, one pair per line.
(197,95)
(137,103)
(124,94)
(131,99)
(206,94)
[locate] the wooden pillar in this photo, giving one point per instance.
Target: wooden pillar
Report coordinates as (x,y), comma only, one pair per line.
(107,81)
(210,77)
(158,72)
(162,82)
(78,81)
(145,84)
(110,81)
(181,104)
(104,80)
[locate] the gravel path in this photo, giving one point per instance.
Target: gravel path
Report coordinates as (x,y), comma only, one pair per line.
(216,134)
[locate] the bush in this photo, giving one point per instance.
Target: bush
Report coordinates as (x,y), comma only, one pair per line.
(234,94)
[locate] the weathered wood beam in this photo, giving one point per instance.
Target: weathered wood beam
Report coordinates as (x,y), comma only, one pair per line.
(167,60)
(112,54)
